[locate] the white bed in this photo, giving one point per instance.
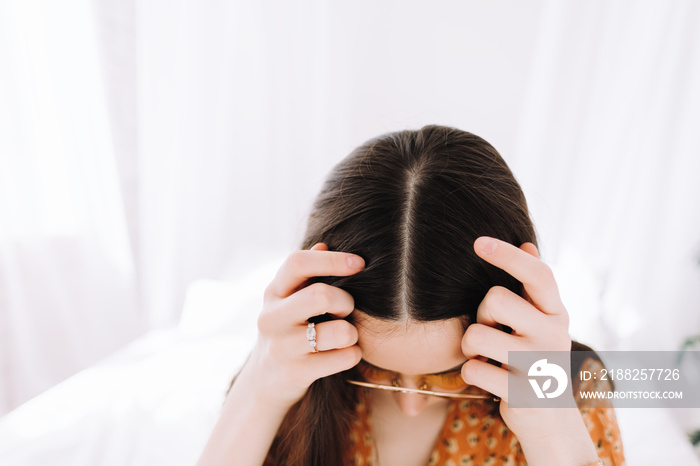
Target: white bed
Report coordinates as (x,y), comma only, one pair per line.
(155,401)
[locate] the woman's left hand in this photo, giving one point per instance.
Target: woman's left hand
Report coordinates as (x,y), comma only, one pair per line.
(540,322)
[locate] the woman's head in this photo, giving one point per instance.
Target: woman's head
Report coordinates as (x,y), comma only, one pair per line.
(412,203)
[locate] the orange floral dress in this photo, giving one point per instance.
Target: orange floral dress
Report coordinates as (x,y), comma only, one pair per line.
(475,434)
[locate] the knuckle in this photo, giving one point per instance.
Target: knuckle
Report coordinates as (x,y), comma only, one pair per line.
(357,355)
(332,261)
(465,340)
(294,260)
(475,333)
(346,334)
(566,319)
(329,334)
(553,337)
(498,296)
(269,318)
(470,370)
(269,292)
(544,273)
(321,295)
(265,321)
(472,336)
(502,293)
(350,301)
(349,357)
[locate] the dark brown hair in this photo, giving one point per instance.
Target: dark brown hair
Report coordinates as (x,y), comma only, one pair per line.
(411,203)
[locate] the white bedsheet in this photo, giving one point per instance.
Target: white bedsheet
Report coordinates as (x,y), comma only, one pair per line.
(152,404)
(156,401)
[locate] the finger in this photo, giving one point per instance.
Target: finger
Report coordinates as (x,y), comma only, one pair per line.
(537,278)
(314,300)
(302,265)
(482,340)
(486,376)
(335,334)
(502,306)
(532,250)
(325,363)
(315,247)
(528,248)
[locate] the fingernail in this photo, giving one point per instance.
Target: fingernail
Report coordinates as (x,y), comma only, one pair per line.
(486,245)
(355,262)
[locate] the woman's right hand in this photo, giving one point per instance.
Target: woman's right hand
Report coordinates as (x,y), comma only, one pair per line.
(282,364)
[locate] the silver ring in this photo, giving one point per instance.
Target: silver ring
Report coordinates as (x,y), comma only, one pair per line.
(311,336)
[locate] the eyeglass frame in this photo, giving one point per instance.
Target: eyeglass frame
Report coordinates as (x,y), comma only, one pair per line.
(392,388)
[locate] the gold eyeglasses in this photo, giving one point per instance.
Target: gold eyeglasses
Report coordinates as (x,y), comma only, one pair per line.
(449,380)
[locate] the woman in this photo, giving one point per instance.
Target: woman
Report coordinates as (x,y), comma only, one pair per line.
(419,271)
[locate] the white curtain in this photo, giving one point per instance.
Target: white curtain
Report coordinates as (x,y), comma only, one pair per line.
(146,144)
(609,154)
(67,290)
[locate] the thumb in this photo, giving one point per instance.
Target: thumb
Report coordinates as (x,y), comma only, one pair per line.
(319,247)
